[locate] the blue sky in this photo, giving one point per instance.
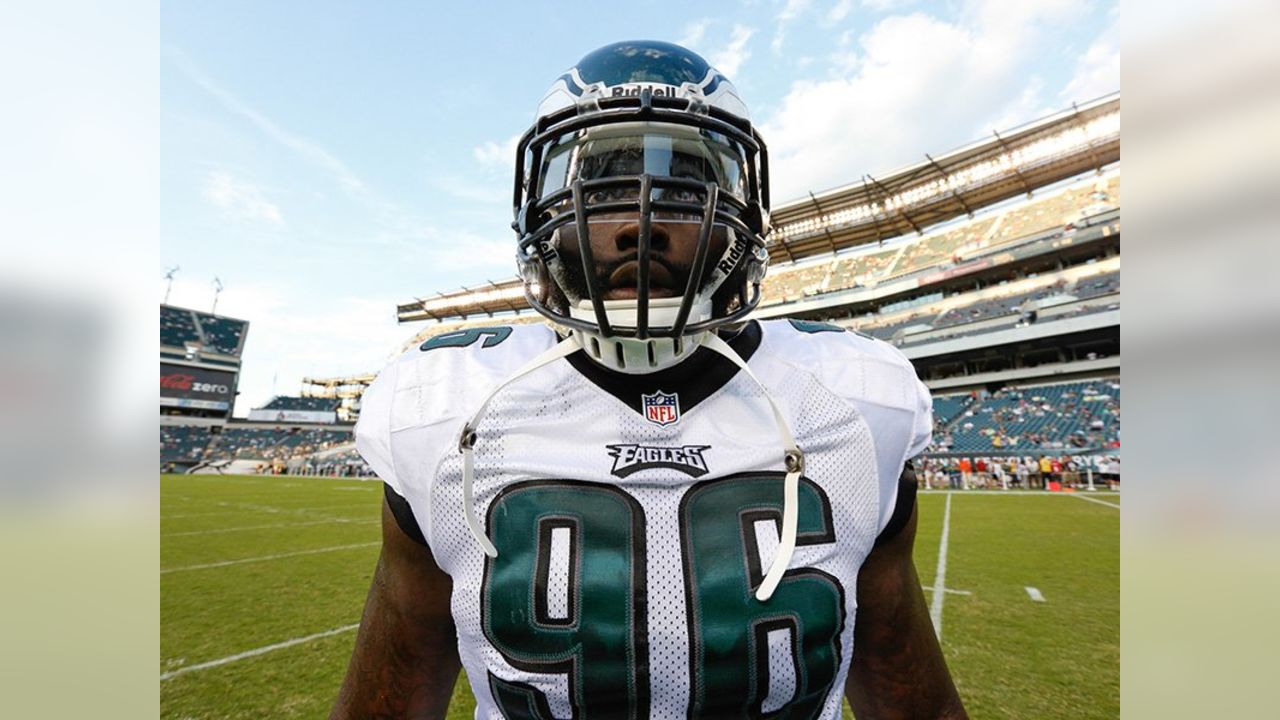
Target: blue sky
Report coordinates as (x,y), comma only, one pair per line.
(327,160)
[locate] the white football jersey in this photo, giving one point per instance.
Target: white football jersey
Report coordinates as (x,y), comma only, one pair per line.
(635,515)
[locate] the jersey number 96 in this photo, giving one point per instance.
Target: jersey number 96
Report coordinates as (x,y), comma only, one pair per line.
(588,623)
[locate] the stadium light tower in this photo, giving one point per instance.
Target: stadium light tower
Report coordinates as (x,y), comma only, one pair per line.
(217,290)
(168,275)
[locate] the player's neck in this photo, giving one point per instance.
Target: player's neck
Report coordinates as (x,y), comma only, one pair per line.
(694,379)
(695,364)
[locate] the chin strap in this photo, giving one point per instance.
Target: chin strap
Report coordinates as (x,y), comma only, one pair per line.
(467,440)
(793,460)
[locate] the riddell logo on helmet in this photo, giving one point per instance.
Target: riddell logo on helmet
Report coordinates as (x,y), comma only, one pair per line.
(735,254)
(634,90)
(548,250)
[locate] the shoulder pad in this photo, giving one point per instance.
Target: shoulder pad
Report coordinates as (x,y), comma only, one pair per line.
(448,374)
(852,365)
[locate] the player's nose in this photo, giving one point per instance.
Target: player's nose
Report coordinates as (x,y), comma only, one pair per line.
(626,238)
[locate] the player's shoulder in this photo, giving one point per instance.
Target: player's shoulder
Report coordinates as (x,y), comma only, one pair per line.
(851,364)
(805,341)
(446,374)
(480,351)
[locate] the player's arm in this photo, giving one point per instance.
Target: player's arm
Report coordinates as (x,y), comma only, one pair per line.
(897,670)
(406,656)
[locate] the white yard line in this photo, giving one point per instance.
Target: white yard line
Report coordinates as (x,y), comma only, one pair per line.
(940,578)
(330,521)
(264,558)
(948,590)
(251,507)
(996,491)
(1094,500)
(1035,594)
(257,651)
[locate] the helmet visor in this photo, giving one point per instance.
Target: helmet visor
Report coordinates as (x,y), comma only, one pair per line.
(627,150)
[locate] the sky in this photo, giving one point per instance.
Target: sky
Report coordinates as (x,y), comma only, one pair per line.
(328,160)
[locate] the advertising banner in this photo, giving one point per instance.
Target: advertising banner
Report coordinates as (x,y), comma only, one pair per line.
(192,387)
(308,416)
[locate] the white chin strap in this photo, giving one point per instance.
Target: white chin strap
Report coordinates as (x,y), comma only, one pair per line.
(467,441)
(633,356)
(793,458)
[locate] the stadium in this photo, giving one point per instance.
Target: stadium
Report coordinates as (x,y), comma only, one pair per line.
(995,267)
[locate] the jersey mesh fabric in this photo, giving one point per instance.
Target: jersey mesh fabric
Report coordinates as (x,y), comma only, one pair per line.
(555,425)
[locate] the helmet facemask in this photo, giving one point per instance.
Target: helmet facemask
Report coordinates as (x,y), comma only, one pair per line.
(638,162)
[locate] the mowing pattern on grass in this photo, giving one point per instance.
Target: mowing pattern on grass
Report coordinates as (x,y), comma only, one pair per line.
(299,564)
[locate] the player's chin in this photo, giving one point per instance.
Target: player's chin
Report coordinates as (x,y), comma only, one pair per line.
(631,293)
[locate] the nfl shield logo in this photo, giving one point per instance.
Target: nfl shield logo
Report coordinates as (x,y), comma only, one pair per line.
(661,408)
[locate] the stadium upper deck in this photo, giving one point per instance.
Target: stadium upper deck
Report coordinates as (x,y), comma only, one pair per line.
(874,210)
(181,328)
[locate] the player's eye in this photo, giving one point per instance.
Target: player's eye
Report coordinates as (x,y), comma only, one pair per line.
(595,197)
(681,195)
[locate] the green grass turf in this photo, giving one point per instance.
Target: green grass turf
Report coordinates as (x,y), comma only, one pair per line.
(1011,657)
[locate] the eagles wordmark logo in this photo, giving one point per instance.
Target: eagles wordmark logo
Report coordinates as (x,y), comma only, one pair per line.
(628,459)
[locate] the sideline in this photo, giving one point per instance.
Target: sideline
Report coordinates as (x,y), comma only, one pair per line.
(1095,500)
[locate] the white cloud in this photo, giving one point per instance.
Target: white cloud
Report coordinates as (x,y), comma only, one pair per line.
(461,250)
(240,199)
(303,147)
(890,103)
(884,6)
(840,10)
(731,57)
(789,12)
(693,33)
(497,154)
(1097,72)
(1027,105)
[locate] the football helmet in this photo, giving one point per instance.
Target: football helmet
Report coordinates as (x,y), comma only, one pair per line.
(648,135)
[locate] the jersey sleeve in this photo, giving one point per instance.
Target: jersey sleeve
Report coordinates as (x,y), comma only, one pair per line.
(881,384)
(412,414)
(922,432)
(373,429)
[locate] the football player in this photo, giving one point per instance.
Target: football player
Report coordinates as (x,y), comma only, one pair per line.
(652,507)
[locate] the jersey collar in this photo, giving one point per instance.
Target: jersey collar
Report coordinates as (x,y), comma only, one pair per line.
(694,379)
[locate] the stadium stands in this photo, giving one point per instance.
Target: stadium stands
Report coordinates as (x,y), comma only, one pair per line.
(1097,285)
(180,327)
(788,283)
(191,444)
(177,327)
(948,407)
(1058,210)
(183,443)
(315,404)
(274,444)
(221,334)
(996,307)
(1068,416)
(931,251)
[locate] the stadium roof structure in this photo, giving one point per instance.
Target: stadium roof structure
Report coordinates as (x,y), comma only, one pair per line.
(877,208)
(337,387)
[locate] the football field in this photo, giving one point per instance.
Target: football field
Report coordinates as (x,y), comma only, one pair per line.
(263,580)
